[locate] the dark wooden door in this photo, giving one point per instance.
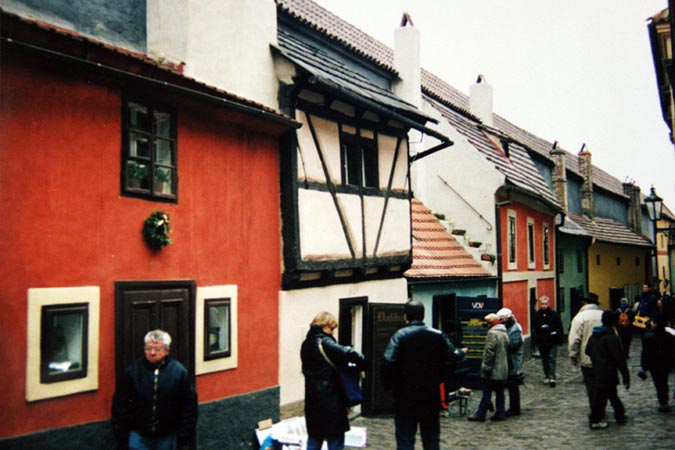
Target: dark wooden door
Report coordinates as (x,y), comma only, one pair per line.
(144,306)
(383,320)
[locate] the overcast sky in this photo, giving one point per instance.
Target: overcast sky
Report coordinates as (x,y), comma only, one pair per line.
(575,71)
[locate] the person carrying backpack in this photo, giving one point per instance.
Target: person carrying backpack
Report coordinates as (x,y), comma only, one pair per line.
(624,326)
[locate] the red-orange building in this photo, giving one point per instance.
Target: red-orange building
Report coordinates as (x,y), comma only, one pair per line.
(93,140)
(527,262)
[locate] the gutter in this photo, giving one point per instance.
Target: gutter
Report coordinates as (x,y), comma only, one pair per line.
(172,87)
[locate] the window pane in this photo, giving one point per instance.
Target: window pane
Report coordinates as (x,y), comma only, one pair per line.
(138,117)
(163,181)
(217,318)
(512,239)
(162,124)
(137,175)
(163,154)
(546,246)
(138,145)
(370,166)
(63,343)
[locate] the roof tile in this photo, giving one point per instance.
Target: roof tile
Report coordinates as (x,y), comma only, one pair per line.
(436,253)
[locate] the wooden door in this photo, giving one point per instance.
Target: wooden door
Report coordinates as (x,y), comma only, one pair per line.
(144,306)
(383,320)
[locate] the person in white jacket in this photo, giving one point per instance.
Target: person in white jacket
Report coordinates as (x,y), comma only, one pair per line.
(589,316)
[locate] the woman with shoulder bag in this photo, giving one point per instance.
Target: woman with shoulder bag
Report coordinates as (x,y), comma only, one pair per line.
(326,410)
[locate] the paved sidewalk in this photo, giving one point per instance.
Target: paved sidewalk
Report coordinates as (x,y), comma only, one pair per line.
(552,418)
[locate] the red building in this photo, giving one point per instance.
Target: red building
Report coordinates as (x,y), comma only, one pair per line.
(527,258)
(93,140)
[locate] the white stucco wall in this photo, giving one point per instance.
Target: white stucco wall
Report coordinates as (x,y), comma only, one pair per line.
(321,232)
(309,162)
(297,308)
(474,181)
(387,151)
(217,40)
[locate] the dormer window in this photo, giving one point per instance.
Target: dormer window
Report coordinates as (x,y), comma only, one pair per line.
(505,147)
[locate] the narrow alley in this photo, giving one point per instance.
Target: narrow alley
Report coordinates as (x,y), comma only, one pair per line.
(552,418)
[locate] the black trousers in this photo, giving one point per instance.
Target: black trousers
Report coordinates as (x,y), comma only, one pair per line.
(601,395)
(514,394)
(660,379)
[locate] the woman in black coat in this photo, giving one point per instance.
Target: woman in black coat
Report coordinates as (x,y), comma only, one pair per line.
(325,406)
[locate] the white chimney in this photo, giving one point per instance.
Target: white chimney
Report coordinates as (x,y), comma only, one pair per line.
(407,62)
(223,43)
(480,100)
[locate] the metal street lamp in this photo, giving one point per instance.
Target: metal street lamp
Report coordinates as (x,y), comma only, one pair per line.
(654,205)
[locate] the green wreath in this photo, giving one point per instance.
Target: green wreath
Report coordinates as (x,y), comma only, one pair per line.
(156,230)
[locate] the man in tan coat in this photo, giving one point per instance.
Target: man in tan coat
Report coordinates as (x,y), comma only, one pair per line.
(589,316)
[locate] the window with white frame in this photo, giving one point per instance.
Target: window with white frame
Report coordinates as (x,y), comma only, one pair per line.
(546,245)
(531,262)
(511,239)
(63,336)
(216,329)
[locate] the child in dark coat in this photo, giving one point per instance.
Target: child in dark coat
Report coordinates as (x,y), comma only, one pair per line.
(606,352)
(658,347)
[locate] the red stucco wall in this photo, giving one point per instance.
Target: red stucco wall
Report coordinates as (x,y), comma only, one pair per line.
(517,282)
(65,224)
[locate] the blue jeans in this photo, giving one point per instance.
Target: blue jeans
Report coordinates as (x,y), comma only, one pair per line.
(334,442)
(139,442)
(498,388)
(406,428)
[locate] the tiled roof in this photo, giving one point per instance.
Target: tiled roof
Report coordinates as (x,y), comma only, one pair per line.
(518,168)
(97,53)
(340,30)
(434,87)
(436,253)
(444,96)
(610,231)
(335,73)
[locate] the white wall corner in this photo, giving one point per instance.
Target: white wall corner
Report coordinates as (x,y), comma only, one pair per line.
(223,43)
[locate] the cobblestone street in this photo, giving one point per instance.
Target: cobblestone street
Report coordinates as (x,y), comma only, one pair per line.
(552,418)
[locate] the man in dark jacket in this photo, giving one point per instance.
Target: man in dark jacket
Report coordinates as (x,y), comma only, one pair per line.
(658,353)
(548,334)
(155,403)
(414,365)
(606,353)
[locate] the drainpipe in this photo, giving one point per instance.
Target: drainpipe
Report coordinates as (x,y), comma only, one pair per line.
(500,256)
(498,230)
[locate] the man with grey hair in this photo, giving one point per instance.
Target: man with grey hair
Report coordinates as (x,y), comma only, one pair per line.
(548,333)
(155,403)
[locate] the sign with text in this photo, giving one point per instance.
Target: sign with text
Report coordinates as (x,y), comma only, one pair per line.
(469,313)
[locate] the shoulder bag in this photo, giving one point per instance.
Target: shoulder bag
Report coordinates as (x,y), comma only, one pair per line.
(350,379)
(640,321)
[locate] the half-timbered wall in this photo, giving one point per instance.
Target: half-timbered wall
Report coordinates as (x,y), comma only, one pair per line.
(375,222)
